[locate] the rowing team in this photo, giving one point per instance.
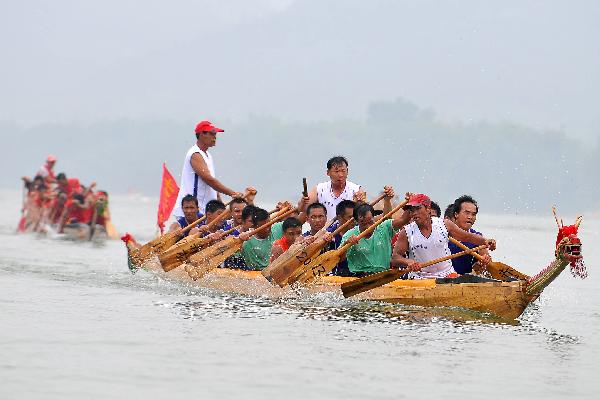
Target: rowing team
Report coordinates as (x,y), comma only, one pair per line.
(379,240)
(57,201)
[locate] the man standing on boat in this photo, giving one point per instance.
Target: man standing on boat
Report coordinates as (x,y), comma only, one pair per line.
(198,173)
(46,171)
(426,238)
(465,211)
(338,188)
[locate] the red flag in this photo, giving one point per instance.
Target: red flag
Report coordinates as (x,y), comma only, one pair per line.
(168,196)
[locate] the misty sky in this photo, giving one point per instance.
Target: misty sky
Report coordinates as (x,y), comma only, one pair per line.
(531,62)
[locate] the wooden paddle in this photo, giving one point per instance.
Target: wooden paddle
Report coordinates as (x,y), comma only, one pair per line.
(161,243)
(210,258)
(93,222)
(324,263)
(497,270)
(182,250)
(111,231)
(305,188)
(372,281)
(297,258)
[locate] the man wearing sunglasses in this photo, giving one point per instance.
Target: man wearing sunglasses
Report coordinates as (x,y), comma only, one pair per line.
(426,238)
(198,173)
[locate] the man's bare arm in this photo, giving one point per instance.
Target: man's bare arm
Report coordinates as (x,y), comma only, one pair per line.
(200,167)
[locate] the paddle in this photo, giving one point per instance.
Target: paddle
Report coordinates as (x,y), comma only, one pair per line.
(305,188)
(497,270)
(324,263)
(297,258)
(381,278)
(210,258)
(177,254)
(158,245)
(93,222)
(182,250)
(111,231)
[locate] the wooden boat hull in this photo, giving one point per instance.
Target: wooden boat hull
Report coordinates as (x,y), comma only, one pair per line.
(506,300)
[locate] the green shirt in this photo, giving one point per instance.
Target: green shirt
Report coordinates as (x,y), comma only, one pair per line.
(373,254)
(256,252)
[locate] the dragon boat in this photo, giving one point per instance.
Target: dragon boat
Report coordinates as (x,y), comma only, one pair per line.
(507,296)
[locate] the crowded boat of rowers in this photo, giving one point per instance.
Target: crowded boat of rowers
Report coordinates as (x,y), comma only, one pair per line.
(402,252)
(63,207)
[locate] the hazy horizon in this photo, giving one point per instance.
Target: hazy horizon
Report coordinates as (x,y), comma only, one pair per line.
(530,63)
(496,99)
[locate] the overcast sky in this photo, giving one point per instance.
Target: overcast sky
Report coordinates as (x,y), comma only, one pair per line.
(535,63)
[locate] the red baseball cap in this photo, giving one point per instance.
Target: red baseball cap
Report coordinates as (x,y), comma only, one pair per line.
(419,199)
(51,158)
(207,126)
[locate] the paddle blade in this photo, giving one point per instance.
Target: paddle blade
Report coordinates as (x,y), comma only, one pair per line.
(503,272)
(320,266)
(111,231)
(292,262)
(210,258)
(369,282)
(177,254)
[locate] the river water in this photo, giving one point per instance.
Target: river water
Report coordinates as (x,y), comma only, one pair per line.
(75,323)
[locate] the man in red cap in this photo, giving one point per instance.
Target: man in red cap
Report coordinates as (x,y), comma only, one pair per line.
(47,170)
(198,173)
(426,238)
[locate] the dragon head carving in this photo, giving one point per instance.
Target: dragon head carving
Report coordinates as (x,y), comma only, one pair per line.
(568,245)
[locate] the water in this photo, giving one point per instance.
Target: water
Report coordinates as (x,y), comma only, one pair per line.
(76,324)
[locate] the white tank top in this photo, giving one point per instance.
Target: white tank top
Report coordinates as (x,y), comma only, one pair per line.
(192,184)
(325,196)
(425,249)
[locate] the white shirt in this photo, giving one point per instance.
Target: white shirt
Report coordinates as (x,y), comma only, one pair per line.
(424,249)
(325,196)
(192,184)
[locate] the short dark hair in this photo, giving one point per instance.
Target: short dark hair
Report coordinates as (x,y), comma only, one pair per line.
(214,205)
(337,160)
(314,205)
(362,209)
(340,209)
(189,197)
(465,198)
(291,222)
(248,211)
(259,215)
(436,208)
(449,212)
(237,200)
(61,176)
(79,198)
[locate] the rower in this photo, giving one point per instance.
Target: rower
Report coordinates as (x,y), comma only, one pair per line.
(338,188)
(198,172)
(426,238)
(436,211)
(237,260)
(214,208)
(257,249)
(372,254)
(189,205)
(343,212)
(237,206)
(465,211)
(316,214)
(46,171)
(292,231)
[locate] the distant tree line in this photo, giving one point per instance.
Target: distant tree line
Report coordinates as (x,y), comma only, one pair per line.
(508,168)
